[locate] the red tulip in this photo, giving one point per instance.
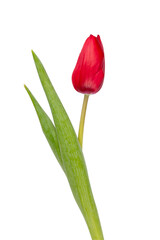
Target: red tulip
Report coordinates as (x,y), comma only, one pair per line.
(88,74)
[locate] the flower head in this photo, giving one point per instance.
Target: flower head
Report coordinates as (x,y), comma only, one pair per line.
(88,75)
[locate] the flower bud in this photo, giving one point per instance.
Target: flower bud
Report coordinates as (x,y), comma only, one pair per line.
(88,75)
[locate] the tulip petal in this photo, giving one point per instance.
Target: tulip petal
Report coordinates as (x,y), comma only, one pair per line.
(72,156)
(47,128)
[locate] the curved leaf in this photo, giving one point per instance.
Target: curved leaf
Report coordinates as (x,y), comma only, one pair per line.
(47,127)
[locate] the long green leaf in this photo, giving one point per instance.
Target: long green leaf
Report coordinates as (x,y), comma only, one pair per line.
(72,156)
(47,127)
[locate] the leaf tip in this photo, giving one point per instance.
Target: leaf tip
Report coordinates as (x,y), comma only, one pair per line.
(33,54)
(25,87)
(32,51)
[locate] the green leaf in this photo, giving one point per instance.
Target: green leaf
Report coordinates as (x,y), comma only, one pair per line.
(72,156)
(47,127)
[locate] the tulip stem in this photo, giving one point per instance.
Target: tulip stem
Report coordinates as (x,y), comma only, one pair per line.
(82,119)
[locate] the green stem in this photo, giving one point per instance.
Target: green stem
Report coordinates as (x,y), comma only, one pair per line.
(82,119)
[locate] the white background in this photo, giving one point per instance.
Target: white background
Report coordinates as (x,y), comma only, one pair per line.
(122,130)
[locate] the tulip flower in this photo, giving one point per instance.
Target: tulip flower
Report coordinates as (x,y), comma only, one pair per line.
(88,75)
